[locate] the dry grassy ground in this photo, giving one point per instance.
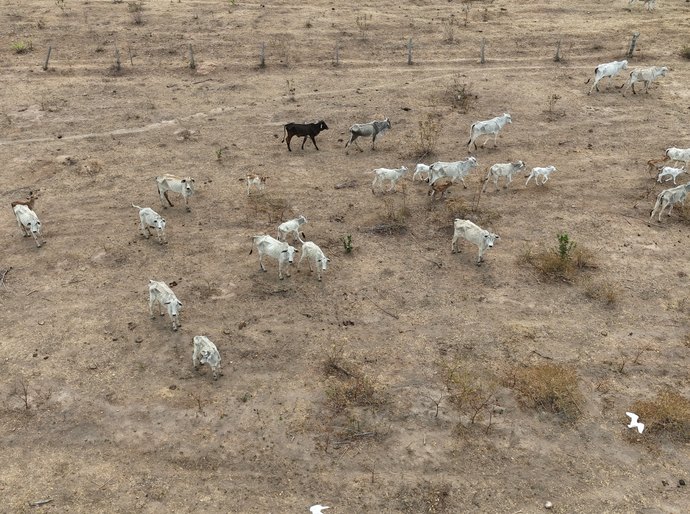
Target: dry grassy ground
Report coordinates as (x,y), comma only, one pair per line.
(409,380)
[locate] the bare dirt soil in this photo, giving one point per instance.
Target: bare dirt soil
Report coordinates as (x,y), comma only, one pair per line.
(336,392)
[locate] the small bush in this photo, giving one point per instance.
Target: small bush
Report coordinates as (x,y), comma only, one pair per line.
(347,243)
(363,22)
(273,206)
(448,29)
(550,387)
(429,130)
(348,386)
(685,52)
(460,96)
(22,47)
(601,291)
(667,413)
(469,391)
(561,263)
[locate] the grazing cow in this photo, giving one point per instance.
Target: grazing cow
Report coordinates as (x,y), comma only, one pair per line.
(648,4)
(670,197)
(160,293)
(258,181)
(315,256)
(28,222)
(419,169)
(474,234)
(29,201)
(150,218)
(204,348)
(506,170)
(610,70)
(541,172)
(487,128)
(646,75)
(679,155)
(671,173)
(373,129)
(438,187)
(291,227)
(452,170)
(184,186)
(303,130)
(280,250)
(392,174)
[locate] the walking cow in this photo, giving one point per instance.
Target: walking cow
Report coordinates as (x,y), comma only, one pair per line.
(371,129)
(303,130)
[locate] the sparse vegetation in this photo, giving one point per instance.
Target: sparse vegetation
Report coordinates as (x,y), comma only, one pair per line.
(549,387)
(551,112)
(601,291)
(290,90)
(667,413)
(348,386)
(61,5)
(136,10)
(448,29)
(685,52)
(347,243)
(429,130)
(459,95)
(363,22)
(561,263)
(273,206)
(425,497)
(470,391)
(22,47)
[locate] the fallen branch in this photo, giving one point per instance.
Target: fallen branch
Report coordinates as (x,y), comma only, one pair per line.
(381,308)
(32,292)
(542,356)
(4,273)
(40,502)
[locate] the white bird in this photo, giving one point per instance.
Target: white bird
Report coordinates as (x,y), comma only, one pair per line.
(634,423)
(316,509)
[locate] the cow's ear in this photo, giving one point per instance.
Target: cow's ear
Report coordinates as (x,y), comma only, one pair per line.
(166,303)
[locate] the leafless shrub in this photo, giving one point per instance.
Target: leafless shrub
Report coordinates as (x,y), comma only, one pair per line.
(275,207)
(667,413)
(429,131)
(448,29)
(601,291)
(20,390)
(470,391)
(560,263)
(348,386)
(460,96)
(363,22)
(549,387)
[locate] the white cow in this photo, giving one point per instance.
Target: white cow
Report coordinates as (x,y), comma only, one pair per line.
(392,174)
(28,222)
(648,4)
(419,169)
(150,218)
(452,170)
(315,256)
(258,181)
(371,129)
(670,173)
(160,293)
(280,250)
(608,69)
(488,127)
(507,170)
(679,155)
(474,234)
(541,172)
(670,197)
(291,227)
(184,186)
(646,75)
(204,348)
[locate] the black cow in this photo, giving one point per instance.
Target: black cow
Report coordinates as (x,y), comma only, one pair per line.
(303,130)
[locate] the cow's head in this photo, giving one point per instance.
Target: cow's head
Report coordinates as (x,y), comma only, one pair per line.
(210,357)
(507,117)
(289,253)
(473,161)
(519,165)
(322,262)
(301,220)
(188,184)
(35,225)
(489,239)
(322,125)
(159,223)
(174,307)
(663,71)
(625,64)
(387,122)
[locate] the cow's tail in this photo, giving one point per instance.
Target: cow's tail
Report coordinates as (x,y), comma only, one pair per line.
(284,133)
(590,78)
(136,207)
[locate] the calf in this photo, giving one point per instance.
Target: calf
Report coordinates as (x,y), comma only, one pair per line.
(280,250)
(670,197)
(184,186)
(258,181)
(541,172)
(160,293)
(648,4)
(678,155)
(610,70)
(646,75)
(315,256)
(452,170)
(419,169)
(205,348)
(381,174)
(150,218)
(291,227)
(488,127)
(371,129)
(438,187)
(28,222)
(474,234)
(29,201)
(303,130)
(671,173)
(506,170)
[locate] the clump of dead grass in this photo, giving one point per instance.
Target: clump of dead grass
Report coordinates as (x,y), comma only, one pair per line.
(473,393)
(549,387)
(425,497)
(429,131)
(273,206)
(460,95)
(603,292)
(667,413)
(348,386)
(560,263)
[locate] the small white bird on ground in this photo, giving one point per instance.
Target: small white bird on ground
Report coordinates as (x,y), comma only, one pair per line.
(634,423)
(316,509)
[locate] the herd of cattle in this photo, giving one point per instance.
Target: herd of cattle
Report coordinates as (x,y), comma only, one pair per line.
(205,352)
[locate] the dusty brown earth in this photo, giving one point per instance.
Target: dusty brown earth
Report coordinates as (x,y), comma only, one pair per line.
(101,409)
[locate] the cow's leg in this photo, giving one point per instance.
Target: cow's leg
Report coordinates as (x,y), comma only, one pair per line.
(454,244)
(392,186)
(38,244)
(168,199)
(186,203)
(261,262)
(509,179)
(373,141)
(313,141)
(304,140)
(462,179)
(151,302)
(299,262)
(373,184)
(195,359)
(352,139)
(289,137)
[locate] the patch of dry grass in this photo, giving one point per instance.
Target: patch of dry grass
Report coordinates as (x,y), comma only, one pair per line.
(348,386)
(471,392)
(425,497)
(549,387)
(275,207)
(560,263)
(667,413)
